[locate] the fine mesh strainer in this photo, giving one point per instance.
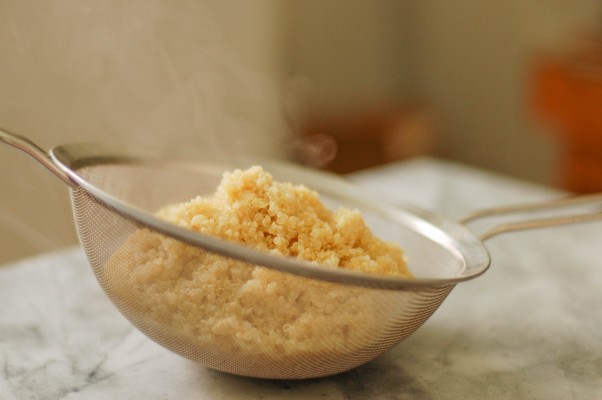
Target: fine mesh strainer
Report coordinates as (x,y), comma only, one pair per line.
(251,313)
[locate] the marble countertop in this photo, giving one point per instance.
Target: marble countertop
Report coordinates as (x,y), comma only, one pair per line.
(530,328)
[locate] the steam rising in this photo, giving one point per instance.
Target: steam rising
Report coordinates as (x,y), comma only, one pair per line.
(193,76)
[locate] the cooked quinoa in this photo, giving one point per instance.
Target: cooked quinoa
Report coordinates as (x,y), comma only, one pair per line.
(234,306)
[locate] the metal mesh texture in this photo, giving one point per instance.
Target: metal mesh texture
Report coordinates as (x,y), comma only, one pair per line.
(223,313)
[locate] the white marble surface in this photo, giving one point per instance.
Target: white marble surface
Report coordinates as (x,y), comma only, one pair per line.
(530,328)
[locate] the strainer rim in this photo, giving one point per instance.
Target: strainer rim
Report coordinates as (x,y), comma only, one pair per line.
(452,236)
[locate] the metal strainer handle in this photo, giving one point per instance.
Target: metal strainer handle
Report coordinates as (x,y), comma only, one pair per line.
(572,201)
(29,147)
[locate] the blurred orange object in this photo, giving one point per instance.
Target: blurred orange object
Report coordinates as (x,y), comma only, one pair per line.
(567,93)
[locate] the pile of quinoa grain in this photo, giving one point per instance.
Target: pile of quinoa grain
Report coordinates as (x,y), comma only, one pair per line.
(238,307)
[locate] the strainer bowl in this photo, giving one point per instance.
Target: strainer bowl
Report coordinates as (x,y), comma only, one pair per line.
(232,308)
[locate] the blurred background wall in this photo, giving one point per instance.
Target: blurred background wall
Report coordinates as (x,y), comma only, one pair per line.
(167,74)
(447,78)
(467,62)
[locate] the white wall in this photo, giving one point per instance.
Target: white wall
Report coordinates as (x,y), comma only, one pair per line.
(352,52)
(474,59)
(467,60)
(162,73)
